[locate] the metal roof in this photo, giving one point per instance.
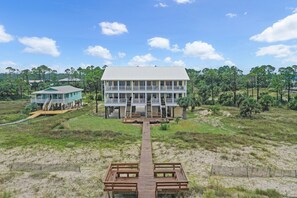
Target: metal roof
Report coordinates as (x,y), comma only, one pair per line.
(58,90)
(145,73)
(70,80)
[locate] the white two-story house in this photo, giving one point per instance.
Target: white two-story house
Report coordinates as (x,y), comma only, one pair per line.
(150,92)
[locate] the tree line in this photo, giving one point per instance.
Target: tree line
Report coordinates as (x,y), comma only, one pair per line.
(228,86)
(16,84)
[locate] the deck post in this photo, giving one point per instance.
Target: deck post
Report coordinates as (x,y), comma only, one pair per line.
(105,108)
(119,112)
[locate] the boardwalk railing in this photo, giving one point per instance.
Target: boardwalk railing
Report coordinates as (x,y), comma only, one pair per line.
(172,186)
(120,187)
(127,169)
(167,166)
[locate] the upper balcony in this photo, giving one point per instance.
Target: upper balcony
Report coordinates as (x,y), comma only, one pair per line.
(144,88)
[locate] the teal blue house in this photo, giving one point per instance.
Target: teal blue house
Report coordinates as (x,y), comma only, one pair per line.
(58,98)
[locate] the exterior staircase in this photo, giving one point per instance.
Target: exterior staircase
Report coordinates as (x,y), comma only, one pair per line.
(44,106)
(163,108)
(49,105)
(128,109)
(148,109)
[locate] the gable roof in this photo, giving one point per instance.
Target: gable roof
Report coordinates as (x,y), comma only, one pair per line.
(70,80)
(58,90)
(145,73)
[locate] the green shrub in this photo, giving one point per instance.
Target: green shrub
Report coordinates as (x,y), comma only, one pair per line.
(293,104)
(215,109)
(164,126)
(30,108)
(177,120)
(226,99)
(248,107)
(266,101)
(271,193)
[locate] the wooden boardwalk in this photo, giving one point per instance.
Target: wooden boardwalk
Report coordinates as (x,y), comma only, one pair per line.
(40,112)
(146,180)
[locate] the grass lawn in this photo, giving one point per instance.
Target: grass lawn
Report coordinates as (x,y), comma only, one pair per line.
(93,123)
(212,132)
(11,110)
(49,130)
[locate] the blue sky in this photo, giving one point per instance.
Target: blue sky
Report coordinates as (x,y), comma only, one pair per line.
(191,33)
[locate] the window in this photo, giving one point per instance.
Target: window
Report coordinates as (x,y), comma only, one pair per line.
(122,83)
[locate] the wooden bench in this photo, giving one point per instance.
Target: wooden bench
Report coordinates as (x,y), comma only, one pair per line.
(163,173)
(172,186)
(120,187)
(128,173)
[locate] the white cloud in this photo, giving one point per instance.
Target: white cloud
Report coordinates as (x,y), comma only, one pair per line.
(278,51)
(245,13)
(178,63)
(282,30)
(285,52)
(229,63)
(167,59)
(231,15)
(40,45)
(113,28)
(161,5)
(159,42)
(184,1)
(141,60)
(121,54)
(202,50)
(4,37)
(174,63)
(294,10)
(99,51)
(162,43)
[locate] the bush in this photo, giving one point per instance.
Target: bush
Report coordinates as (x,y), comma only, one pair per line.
(266,101)
(269,193)
(226,99)
(248,107)
(293,104)
(30,108)
(164,126)
(177,120)
(215,109)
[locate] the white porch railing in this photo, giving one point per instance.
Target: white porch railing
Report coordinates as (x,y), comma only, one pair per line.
(66,100)
(138,100)
(116,101)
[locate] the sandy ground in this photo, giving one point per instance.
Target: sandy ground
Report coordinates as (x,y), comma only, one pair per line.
(94,162)
(197,164)
(87,183)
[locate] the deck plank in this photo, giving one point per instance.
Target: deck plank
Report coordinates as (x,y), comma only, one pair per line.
(146,175)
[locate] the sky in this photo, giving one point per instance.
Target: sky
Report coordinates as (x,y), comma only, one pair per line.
(190,33)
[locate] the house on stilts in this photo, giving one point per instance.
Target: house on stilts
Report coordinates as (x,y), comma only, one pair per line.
(58,98)
(150,92)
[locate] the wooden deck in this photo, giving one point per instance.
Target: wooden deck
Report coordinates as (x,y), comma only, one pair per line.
(146,179)
(40,112)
